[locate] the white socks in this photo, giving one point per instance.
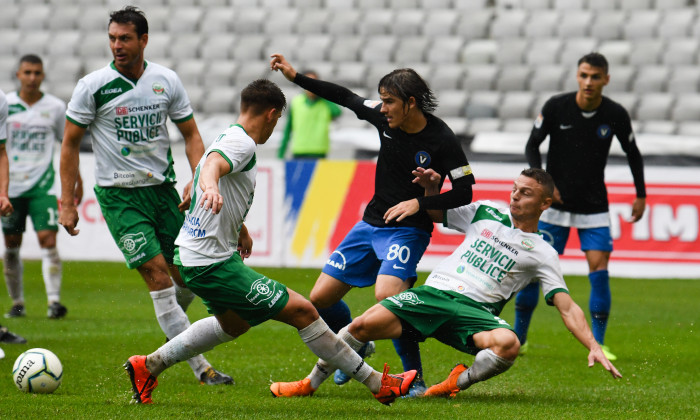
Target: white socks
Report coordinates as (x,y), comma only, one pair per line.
(52,271)
(334,353)
(13,275)
(173,321)
(200,337)
(486,365)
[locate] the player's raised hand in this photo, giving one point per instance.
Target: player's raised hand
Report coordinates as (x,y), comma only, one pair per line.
(638,207)
(426,178)
(212,200)
(278,62)
(596,355)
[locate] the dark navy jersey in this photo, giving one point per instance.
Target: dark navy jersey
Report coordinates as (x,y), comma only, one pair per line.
(436,147)
(579,144)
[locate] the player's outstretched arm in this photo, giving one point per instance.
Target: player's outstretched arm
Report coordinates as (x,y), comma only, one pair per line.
(575,321)
(194,149)
(638,207)
(215,166)
(70,162)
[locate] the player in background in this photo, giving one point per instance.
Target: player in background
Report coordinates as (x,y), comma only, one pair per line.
(580,126)
(462,297)
(376,251)
(35,124)
(212,245)
(5,205)
(308,123)
(126,105)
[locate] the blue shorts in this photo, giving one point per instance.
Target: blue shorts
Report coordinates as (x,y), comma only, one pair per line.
(368,251)
(592,239)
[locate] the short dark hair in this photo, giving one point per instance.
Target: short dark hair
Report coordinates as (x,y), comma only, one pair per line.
(130,14)
(31,58)
(543,178)
(595,59)
(260,96)
(404,83)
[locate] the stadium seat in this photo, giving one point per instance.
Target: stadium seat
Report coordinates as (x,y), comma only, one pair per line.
(480,77)
(346,48)
(185,19)
(33,17)
(686,107)
(35,42)
(435,4)
(248,21)
(483,104)
(220,99)
(542,23)
(483,125)
(94,63)
(196,95)
(458,125)
(651,78)
(217,46)
(684,79)
(621,78)
(93,18)
(307,4)
(616,51)
(158,19)
(689,128)
(680,51)
(9,16)
(286,44)
(158,45)
(208,4)
(375,71)
(217,20)
(518,125)
(628,100)
(516,104)
(575,24)
(312,21)
(547,78)
(10,39)
(451,103)
(252,70)
(281,21)
(447,76)
(63,44)
(511,51)
(671,4)
(654,106)
(191,71)
(603,5)
(371,4)
(479,51)
(408,22)
(275,4)
(513,78)
(470,5)
(378,48)
(343,22)
(676,23)
(508,24)
(402,4)
(220,72)
(568,4)
(440,22)
(536,4)
(540,100)
(8,68)
(646,51)
(325,69)
(664,127)
(62,18)
(575,48)
(635,4)
(376,22)
(544,51)
(411,49)
(641,24)
(608,25)
(341,5)
(185,45)
(474,24)
(64,72)
(444,49)
(249,47)
(314,47)
(351,74)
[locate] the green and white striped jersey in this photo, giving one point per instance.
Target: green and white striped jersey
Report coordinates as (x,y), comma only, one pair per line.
(32,132)
(207,238)
(495,260)
(126,119)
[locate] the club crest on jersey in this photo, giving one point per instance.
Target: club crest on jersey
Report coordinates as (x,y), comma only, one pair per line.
(528,244)
(604,131)
(422,159)
(158,89)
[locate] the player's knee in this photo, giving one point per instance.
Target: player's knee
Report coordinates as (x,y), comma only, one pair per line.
(358,328)
(507,345)
(320,300)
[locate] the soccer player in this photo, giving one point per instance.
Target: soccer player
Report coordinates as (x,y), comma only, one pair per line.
(211,247)
(377,251)
(125,105)
(580,126)
(5,205)
(35,124)
(462,297)
(308,123)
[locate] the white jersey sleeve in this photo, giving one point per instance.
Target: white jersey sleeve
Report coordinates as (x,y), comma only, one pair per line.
(81,108)
(180,109)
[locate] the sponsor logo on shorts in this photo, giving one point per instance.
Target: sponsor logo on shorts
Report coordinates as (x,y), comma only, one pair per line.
(136,257)
(500,321)
(398,267)
(409,297)
(131,243)
(261,290)
(528,244)
(338,262)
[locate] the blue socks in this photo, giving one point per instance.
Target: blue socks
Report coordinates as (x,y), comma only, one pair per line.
(409,352)
(336,316)
(525,304)
(599,303)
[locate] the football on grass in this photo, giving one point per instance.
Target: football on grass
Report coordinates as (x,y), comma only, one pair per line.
(37,370)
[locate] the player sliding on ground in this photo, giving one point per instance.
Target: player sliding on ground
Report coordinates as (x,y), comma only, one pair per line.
(211,247)
(460,301)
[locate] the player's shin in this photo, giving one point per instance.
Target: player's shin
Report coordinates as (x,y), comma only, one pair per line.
(200,337)
(52,272)
(333,353)
(487,364)
(13,274)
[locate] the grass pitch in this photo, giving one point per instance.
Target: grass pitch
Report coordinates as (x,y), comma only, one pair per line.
(652,330)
